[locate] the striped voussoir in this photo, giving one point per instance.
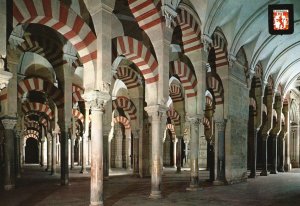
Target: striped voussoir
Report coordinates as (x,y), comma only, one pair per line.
(139,54)
(62,19)
(220,50)
(31,131)
(176,93)
(206,123)
(172,130)
(174,116)
(128,76)
(32,115)
(187,77)
(77,114)
(32,124)
(217,88)
(126,104)
(122,120)
(208,101)
(146,13)
(37,107)
(190,28)
(38,84)
(31,136)
(76,93)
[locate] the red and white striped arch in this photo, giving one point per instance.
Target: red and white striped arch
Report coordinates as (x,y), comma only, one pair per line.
(217,89)
(206,123)
(37,107)
(146,13)
(176,93)
(139,54)
(187,77)
(172,130)
(220,47)
(42,120)
(208,99)
(122,120)
(31,131)
(56,15)
(174,116)
(191,30)
(31,136)
(126,104)
(77,91)
(3,95)
(128,76)
(78,115)
(32,124)
(38,84)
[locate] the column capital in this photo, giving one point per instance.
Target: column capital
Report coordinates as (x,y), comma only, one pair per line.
(96,99)
(221,124)
(194,119)
(157,112)
(9,122)
(169,11)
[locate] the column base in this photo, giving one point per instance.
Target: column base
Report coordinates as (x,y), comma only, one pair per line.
(218,182)
(9,187)
(84,172)
(288,167)
(193,188)
(252,175)
(280,170)
(53,174)
(155,195)
(96,204)
(264,173)
(274,172)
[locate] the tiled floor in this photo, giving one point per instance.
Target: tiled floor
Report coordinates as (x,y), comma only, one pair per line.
(37,187)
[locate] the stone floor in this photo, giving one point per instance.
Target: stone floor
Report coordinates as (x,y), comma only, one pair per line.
(37,187)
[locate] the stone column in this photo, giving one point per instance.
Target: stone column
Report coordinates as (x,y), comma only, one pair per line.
(72,152)
(220,178)
(253,151)
(178,154)
(42,151)
(54,153)
(84,152)
(18,150)
(128,149)
(174,140)
(267,126)
(136,154)
(9,156)
(49,144)
(97,100)
(186,146)
(64,152)
(287,161)
(264,148)
(194,142)
(281,151)
(158,122)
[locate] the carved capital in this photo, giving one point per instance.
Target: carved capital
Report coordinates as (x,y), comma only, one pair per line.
(207,41)
(194,120)
(96,99)
(156,112)
(221,124)
(169,11)
(9,122)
